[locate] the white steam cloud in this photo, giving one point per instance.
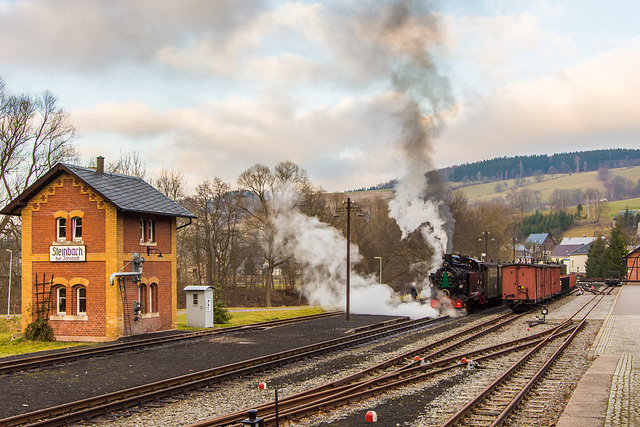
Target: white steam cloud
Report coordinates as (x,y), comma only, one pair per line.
(321,251)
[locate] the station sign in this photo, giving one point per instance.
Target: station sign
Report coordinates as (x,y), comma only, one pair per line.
(67,253)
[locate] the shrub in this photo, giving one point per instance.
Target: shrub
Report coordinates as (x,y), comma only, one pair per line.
(39,330)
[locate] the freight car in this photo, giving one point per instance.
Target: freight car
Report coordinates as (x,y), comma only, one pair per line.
(467,283)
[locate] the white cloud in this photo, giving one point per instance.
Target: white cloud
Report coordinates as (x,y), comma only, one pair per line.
(92,34)
(589,105)
(226,137)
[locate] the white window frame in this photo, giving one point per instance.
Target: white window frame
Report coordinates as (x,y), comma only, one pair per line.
(75,228)
(61,228)
(79,298)
(147,231)
(194,299)
(151,231)
(59,298)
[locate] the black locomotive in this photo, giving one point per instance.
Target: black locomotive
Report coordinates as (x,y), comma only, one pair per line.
(466,283)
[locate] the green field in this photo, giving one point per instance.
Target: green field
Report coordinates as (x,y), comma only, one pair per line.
(576,181)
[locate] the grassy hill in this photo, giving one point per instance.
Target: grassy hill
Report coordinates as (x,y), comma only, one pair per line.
(485,192)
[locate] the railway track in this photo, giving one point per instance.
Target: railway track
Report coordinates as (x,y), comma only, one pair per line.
(494,404)
(68,356)
(541,353)
(438,358)
(150,394)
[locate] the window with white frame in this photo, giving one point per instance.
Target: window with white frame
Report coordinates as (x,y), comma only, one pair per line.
(147,231)
(61,301)
(61,229)
(194,301)
(81,301)
(76,226)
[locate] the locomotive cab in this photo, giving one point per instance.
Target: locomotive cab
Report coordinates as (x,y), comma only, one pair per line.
(465,283)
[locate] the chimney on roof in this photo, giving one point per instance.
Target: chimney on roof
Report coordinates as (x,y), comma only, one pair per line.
(100,165)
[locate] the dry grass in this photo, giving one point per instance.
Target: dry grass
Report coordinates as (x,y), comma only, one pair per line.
(548,183)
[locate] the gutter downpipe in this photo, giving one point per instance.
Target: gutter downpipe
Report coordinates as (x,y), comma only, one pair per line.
(184,225)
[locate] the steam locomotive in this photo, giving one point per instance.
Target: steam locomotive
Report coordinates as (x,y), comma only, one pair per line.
(467,283)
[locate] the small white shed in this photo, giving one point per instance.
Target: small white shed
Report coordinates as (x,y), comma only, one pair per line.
(200,306)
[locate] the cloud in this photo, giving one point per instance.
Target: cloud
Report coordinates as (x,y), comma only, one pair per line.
(589,105)
(92,34)
(343,145)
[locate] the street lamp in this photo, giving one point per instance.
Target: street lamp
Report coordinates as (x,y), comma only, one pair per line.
(9,287)
(486,245)
(379,258)
(348,208)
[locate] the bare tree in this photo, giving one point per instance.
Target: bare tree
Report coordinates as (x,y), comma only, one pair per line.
(35,134)
(129,163)
(171,183)
(597,206)
(265,185)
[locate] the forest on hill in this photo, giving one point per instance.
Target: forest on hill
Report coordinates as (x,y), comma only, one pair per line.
(504,168)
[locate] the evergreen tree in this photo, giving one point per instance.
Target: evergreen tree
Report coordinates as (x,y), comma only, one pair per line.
(594,260)
(614,261)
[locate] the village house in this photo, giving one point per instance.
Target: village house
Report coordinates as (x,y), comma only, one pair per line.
(540,245)
(98,253)
(573,252)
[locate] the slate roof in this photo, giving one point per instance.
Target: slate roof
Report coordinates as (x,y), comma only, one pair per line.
(567,250)
(537,238)
(577,240)
(582,250)
(127,193)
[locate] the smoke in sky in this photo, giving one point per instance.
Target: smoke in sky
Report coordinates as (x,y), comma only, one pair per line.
(390,44)
(407,33)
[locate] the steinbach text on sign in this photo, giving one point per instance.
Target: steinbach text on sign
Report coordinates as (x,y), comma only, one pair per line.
(67,253)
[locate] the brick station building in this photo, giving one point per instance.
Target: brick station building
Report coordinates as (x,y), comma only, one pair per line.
(93,244)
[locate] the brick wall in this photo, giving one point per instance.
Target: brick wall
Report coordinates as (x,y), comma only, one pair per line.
(110,238)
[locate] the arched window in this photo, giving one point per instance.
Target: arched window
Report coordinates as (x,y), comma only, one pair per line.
(81,301)
(61,229)
(153,298)
(61,301)
(143,297)
(76,225)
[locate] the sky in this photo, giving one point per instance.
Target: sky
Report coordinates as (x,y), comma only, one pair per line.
(210,88)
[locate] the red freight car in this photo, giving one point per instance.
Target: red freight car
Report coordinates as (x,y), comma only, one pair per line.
(527,285)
